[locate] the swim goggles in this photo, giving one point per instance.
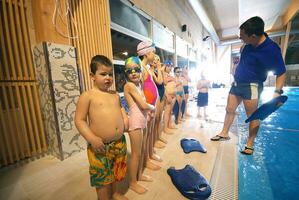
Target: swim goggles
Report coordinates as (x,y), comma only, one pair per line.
(134,70)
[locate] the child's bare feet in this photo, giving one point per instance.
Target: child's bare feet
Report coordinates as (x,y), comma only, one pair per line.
(159,144)
(188,115)
(146,178)
(156,158)
(172,127)
(163,140)
(139,189)
(152,166)
(167,131)
(118,196)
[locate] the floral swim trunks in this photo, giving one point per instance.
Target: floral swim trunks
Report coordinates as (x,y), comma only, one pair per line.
(109,167)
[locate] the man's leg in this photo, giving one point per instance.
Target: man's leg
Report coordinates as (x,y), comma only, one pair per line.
(233,102)
(250,107)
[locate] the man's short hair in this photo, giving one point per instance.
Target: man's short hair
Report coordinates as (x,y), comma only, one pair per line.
(254,25)
(99,60)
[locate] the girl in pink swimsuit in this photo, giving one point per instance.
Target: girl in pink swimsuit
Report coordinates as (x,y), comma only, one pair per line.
(137,117)
(150,89)
(146,52)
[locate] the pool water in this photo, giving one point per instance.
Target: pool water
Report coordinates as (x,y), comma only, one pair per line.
(272,172)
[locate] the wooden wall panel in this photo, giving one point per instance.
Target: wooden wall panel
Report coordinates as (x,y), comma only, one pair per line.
(90,26)
(21,131)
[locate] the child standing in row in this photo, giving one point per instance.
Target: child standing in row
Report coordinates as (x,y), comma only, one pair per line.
(102,121)
(137,117)
(170,94)
(179,95)
(156,70)
(146,52)
(203,95)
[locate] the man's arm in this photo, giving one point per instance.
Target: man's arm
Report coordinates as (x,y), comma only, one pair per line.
(280,80)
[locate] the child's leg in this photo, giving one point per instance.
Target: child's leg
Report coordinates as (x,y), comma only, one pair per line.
(104,192)
(167,114)
(170,124)
(160,142)
(136,137)
(179,99)
(186,103)
(151,144)
(116,195)
(152,136)
(143,157)
(176,109)
(198,112)
(157,132)
(183,107)
(148,163)
(157,120)
(205,112)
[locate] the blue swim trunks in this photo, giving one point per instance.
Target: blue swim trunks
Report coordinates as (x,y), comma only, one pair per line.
(247,91)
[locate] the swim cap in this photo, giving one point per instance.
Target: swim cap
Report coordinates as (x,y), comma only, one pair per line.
(145,47)
(133,60)
(167,62)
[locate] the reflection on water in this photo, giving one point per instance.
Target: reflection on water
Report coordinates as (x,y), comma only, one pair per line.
(272,171)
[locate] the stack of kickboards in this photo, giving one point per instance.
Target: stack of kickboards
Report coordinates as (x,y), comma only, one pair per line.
(190,183)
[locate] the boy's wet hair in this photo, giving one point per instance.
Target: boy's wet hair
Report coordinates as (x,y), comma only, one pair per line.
(99,60)
(254,25)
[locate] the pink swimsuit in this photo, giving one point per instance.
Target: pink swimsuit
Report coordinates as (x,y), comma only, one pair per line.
(137,118)
(150,90)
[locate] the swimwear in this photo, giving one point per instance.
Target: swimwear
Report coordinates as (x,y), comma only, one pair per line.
(150,90)
(247,91)
(137,118)
(202,99)
(161,91)
(180,93)
(186,89)
(109,167)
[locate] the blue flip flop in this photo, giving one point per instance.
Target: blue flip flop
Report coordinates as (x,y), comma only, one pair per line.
(190,183)
(267,109)
(190,144)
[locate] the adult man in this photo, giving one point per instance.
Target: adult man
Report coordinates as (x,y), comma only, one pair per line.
(259,56)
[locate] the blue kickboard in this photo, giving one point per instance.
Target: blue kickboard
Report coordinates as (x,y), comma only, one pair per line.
(267,108)
(190,183)
(190,144)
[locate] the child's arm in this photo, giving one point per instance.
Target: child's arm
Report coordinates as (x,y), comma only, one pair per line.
(82,125)
(159,78)
(124,115)
(132,90)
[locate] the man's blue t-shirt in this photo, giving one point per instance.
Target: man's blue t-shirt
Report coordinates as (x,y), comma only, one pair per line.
(255,63)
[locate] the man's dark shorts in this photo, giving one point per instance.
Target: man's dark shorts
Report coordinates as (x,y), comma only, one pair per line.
(247,91)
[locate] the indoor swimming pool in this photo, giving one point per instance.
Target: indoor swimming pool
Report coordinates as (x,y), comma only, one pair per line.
(272,172)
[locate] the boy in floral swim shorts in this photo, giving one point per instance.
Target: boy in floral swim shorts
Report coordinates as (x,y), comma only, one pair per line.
(107,121)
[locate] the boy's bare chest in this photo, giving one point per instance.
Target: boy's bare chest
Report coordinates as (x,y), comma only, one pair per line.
(104,103)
